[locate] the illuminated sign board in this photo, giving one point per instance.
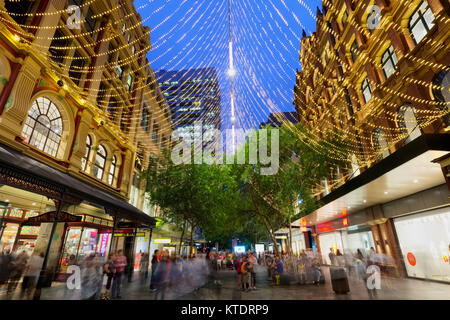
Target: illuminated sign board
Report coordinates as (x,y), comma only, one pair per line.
(138,234)
(162,241)
(259,248)
(239,249)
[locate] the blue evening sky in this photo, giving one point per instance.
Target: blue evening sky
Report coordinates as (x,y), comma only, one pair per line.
(266,39)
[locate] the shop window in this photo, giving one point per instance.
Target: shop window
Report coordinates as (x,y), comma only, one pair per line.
(100,160)
(421,22)
(389,62)
(112,171)
(43,127)
(366,90)
(408,123)
(85,159)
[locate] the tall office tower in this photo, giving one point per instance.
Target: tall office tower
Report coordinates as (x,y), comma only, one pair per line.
(194,99)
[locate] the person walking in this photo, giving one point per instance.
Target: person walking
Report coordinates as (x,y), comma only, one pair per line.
(109,271)
(120,262)
(32,273)
(155,261)
(162,275)
(279,270)
(254,263)
(245,271)
(17,268)
(332,257)
(237,267)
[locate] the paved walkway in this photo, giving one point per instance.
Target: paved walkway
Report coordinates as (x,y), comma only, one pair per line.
(399,289)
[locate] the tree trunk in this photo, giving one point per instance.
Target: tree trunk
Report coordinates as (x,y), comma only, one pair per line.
(290,236)
(192,239)
(266,224)
(181,239)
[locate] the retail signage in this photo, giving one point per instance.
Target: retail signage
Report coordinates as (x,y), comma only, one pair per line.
(281,237)
(162,241)
(411,259)
(138,234)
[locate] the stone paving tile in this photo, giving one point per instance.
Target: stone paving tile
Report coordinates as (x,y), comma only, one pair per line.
(403,289)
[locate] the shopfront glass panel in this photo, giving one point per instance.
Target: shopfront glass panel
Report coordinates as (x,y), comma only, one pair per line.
(357,240)
(330,240)
(424,241)
(8,237)
(88,243)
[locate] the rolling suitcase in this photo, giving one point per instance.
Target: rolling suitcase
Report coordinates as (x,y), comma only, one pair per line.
(339,280)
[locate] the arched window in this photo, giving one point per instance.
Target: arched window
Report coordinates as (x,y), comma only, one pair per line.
(85,159)
(43,127)
(380,144)
(366,90)
(441,93)
(408,123)
(421,22)
(112,171)
(100,160)
(389,62)
(355,167)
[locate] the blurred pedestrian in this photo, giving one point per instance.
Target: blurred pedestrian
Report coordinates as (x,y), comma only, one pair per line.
(155,261)
(32,272)
(332,257)
(120,262)
(109,271)
(254,263)
(17,267)
(162,275)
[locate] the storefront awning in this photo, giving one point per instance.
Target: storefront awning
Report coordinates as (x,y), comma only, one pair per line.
(31,172)
(407,171)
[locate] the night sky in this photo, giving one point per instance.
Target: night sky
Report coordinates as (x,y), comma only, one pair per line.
(266,39)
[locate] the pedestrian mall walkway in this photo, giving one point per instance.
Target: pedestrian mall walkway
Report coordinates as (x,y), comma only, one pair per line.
(391,289)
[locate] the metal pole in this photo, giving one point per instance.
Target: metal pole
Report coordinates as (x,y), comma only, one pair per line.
(112,235)
(148,252)
(40,283)
(133,257)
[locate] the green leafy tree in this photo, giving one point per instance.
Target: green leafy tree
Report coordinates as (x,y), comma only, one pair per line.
(279,198)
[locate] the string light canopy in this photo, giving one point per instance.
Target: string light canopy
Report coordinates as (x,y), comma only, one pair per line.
(260,37)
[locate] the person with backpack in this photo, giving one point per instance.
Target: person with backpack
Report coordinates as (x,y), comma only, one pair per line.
(246,269)
(237,267)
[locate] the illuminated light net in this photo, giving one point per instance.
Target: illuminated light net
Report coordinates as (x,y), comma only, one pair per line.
(187,34)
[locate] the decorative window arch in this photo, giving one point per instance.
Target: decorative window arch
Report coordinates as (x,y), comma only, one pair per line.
(389,62)
(407,122)
(44,126)
(85,159)
(421,21)
(112,171)
(100,161)
(379,143)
